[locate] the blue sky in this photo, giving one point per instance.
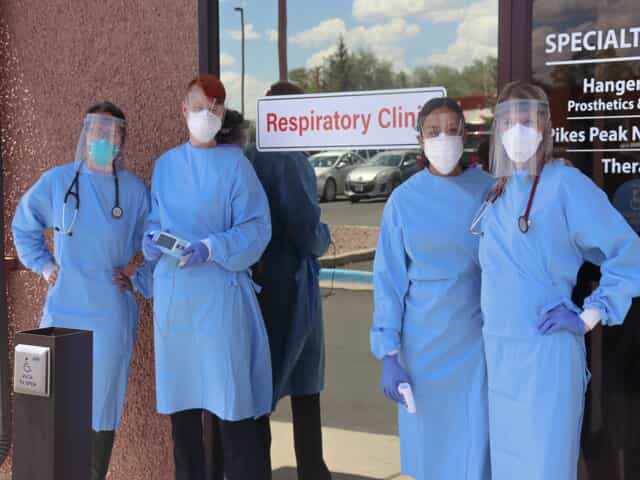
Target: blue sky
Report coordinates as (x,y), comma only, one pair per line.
(406,32)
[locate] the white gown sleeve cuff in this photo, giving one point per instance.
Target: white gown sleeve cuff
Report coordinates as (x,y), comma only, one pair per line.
(590,317)
(392,353)
(47,270)
(207,242)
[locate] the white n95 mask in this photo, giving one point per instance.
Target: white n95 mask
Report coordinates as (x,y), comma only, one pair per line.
(203,125)
(521,142)
(443,152)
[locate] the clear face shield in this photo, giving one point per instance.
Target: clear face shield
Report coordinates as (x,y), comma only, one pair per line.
(521,137)
(442,139)
(101,143)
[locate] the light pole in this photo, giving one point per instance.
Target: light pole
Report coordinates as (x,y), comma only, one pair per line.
(282,39)
(241,10)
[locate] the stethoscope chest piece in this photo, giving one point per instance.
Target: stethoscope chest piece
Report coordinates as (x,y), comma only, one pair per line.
(116,212)
(524,223)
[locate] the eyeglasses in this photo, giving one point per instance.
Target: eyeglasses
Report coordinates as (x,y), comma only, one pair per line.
(214,105)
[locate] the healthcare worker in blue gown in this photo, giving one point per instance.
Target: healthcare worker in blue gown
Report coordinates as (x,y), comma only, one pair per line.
(427,325)
(211,347)
(97,209)
(288,273)
(539,225)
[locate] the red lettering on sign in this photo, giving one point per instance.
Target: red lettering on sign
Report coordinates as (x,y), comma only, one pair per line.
(271,121)
(381,122)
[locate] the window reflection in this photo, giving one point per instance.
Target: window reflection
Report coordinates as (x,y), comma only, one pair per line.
(609,440)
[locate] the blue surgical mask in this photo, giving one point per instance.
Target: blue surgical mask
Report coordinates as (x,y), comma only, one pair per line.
(103,152)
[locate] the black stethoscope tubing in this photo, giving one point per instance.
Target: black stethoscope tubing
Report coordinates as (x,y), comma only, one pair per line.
(116,211)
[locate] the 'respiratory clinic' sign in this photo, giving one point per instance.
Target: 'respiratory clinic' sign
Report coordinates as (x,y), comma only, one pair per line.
(331,121)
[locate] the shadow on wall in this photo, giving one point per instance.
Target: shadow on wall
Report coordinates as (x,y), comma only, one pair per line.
(289,473)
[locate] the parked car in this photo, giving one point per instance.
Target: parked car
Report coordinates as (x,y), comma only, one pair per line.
(331,170)
(476,148)
(367,154)
(381,175)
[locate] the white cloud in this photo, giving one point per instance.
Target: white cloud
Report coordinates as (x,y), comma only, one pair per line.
(438,11)
(272,35)
(254,88)
(328,31)
(382,39)
(382,34)
(368,9)
(226,59)
(318,58)
(249,33)
(477,36)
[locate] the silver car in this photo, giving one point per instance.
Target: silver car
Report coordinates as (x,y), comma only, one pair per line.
(381,175)
(331,170)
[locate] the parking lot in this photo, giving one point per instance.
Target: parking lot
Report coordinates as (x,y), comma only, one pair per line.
(359,424)
(342,212)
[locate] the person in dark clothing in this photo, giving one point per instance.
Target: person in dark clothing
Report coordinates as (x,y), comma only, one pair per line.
(288,273)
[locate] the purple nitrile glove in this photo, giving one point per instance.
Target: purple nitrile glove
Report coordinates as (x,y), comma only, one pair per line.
(393,375)
(149,249)
(561,318)
(196,254)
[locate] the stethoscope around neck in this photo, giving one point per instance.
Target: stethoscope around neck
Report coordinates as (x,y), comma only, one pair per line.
(74,191)
(524,221)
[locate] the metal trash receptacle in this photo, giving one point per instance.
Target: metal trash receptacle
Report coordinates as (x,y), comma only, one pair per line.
(52,404)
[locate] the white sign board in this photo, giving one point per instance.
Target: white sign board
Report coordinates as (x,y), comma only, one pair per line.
(31,370)
(335,121)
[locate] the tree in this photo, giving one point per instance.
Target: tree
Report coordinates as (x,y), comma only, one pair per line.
(371,73)
(345,70)
(339,68)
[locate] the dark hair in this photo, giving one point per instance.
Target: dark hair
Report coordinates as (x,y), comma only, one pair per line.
(106,107)
(435,103)
(483,154)
(232,131)
(284,88)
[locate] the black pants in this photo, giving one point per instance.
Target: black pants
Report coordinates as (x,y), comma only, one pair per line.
(307,437)
(102,445)
(245,447)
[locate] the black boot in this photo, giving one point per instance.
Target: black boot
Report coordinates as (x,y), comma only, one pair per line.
(101,453)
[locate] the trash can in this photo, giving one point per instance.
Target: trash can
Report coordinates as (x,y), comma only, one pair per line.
(52,412)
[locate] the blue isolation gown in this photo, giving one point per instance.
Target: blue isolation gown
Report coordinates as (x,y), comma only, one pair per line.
(537,383)
(211,346)
(427,307)
(84,296)
(288,272)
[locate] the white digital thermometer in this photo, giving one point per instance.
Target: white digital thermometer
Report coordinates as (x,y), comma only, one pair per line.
(170,244)
(405,390)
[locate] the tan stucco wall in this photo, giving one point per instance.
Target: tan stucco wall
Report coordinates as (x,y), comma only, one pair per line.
(56,58)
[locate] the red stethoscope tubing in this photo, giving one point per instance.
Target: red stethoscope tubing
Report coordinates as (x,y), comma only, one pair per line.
(523,221)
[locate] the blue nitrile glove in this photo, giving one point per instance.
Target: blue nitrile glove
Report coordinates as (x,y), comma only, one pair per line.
(149,249)
(197,254)
(561,318)
(393,375)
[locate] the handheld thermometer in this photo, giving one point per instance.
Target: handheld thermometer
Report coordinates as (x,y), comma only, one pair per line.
(170,244)
(405,390)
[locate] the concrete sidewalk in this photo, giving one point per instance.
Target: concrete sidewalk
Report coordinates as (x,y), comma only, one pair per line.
(360,432)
